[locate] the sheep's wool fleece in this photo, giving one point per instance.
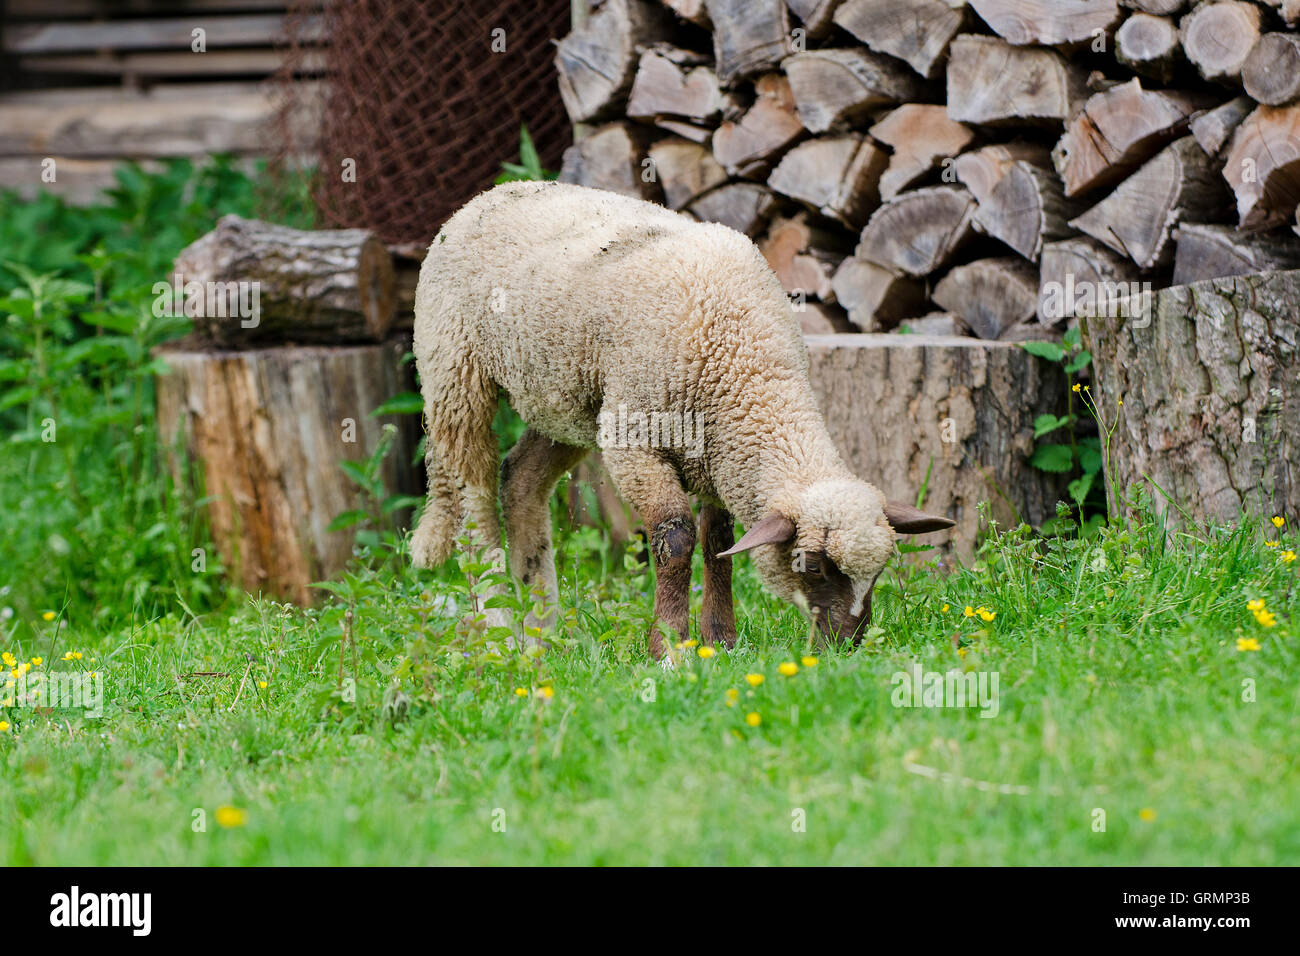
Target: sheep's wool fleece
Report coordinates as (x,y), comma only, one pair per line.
(577,301)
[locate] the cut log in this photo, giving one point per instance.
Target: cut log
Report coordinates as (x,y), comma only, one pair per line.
(1263,166)
(990,81)
(745,147)
(1138,218)
(1047,22)
(916,31)
(1210,381)
(935,323)
(693,11)
(921,135)
(1149,45)
(696,134)
(876,298)
(1218,37)
(249,282)
(822,318)
(1160,8)
(267,430)
(1117,131)
(1207,251)
(990,295)
(685,170)
(597,61)
(834,88)
(745,207)
(1082,277)
(1213,127)
(917,232)
(1271,73)
(815,15)
(613,157)
(749,36)
(1025,209)
(803,257)
(836,175)
(952,415)
(982,169)
(674,82)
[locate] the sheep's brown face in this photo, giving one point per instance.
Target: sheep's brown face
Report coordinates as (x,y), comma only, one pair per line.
(827,560)
(838,607)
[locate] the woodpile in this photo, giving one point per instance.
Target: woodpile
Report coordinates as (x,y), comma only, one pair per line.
(943,164)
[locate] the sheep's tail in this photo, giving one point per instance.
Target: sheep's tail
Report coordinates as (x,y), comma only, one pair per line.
(435,534)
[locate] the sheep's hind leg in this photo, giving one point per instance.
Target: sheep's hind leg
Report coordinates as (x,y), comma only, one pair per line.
(528,476)
(651,486)
(717,615)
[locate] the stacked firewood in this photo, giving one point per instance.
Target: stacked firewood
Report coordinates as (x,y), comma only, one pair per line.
(983,167)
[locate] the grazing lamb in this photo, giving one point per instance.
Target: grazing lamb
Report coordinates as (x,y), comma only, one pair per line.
(603,317)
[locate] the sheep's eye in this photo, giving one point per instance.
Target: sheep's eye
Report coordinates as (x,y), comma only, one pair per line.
(816,564)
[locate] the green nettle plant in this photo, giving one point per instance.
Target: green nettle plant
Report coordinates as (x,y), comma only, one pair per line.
(92,513)
(1068,451)
(529,166)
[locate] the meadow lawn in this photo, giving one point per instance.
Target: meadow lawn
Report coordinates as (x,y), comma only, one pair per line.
(1145,715)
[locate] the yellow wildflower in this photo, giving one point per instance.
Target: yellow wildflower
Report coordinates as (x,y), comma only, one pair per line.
(706,652)
(521,692)
(547,692)
(1278,521)
(789,668)
(48,616)
(754,679)
(808,661)
(944,609)
(1265,618)
(732,696)
(1146,814)
(753,719)
(1271,544)
(687,645)
(37,661)
(1287,557)
(986,615)
(1077,387)
(1247,644)
(262,684)
(1255,605)
(228,816)
(969,611)
(4,726)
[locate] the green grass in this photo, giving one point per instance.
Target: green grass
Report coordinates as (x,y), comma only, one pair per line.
(1121,690)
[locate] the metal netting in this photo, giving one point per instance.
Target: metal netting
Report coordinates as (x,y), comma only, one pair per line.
(425,98)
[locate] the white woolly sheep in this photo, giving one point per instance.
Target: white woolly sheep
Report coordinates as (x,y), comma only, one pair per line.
(596,313)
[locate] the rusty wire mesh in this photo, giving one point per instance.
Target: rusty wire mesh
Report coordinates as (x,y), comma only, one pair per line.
(418,98)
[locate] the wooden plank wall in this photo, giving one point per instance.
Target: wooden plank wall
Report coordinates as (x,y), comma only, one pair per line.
(89,83)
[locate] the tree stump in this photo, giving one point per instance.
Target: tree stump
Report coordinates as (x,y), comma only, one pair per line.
(1210,424)
(955,415)
(266,430)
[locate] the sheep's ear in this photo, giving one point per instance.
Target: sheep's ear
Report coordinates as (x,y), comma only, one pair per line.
(908,520)
(773,529)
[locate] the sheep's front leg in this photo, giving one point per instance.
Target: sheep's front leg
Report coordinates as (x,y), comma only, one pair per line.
(651,486)
(718,615)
